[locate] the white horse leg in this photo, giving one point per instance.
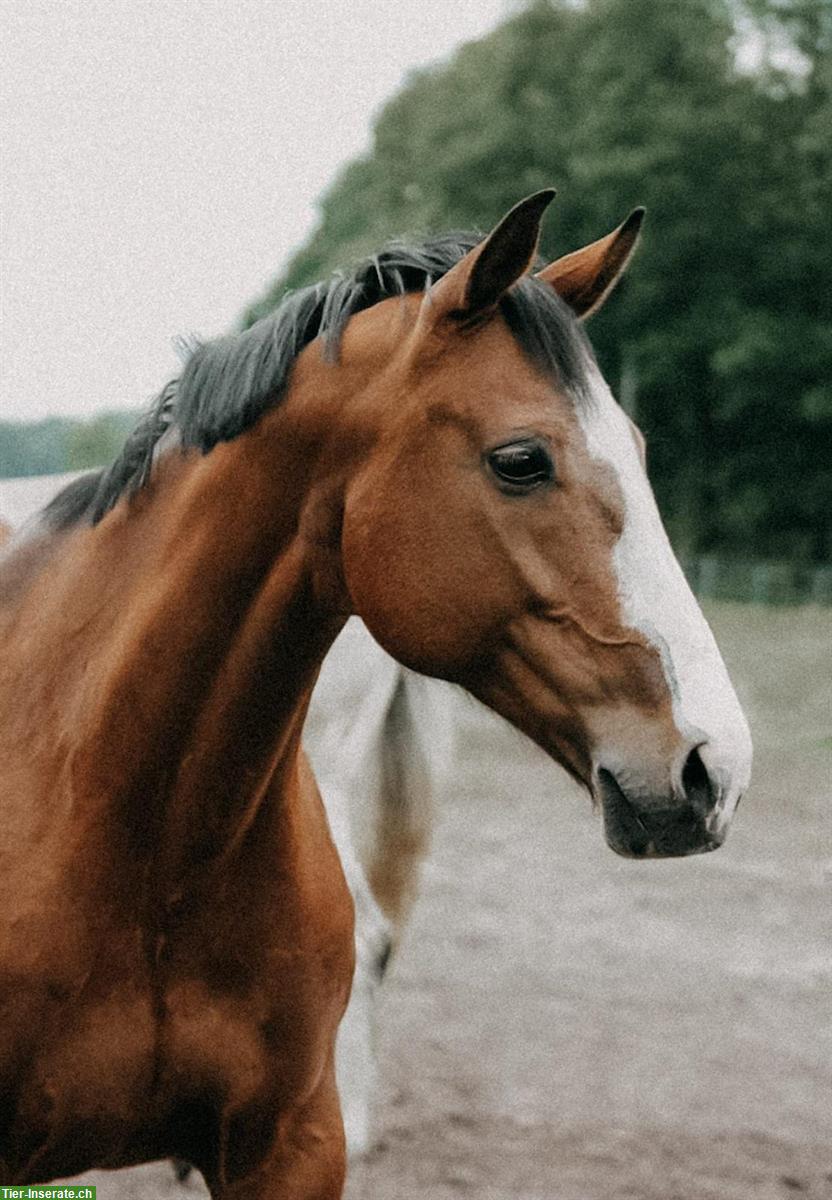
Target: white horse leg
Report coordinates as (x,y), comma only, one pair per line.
(380,741)
(355,1054)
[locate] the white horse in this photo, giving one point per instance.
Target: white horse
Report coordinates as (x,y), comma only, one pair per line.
(380,739)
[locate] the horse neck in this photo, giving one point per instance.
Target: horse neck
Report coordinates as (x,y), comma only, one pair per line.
(217,645)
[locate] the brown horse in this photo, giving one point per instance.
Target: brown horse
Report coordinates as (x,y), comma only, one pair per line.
(427,443)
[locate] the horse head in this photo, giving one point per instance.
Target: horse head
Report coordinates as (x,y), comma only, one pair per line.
(501,532)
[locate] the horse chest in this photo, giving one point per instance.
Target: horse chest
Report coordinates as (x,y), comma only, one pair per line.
(76,1075)
(246,1022)
(116,1075)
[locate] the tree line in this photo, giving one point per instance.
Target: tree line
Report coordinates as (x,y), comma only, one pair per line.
(716,115)
(58,444)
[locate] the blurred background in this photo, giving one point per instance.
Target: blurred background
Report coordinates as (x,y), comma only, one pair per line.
(175,168)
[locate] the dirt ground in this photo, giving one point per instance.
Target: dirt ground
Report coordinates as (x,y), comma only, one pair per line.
(562,1024)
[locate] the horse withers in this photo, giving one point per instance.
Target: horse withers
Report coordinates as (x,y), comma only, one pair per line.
(427,443)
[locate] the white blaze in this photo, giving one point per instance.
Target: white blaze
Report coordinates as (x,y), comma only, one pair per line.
(656,600)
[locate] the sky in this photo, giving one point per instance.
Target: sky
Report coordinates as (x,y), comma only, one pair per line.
(160,159)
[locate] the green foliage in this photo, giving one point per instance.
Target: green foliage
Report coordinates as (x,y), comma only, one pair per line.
(37,448)
(97,441)
(724,323)
(62,443)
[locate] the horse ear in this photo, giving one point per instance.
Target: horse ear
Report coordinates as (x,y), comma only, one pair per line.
(586,277)
(476,283)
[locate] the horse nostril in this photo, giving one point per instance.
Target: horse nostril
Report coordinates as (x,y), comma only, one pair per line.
(697,784)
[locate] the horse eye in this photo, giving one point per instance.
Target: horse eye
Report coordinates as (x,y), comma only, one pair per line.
(522,465)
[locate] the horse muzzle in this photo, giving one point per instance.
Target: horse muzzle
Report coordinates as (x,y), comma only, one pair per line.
(692,819)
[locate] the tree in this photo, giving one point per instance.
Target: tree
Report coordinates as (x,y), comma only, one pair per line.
(723,326)
(97,441)
(60,444)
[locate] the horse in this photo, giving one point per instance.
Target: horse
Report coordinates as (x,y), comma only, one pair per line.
(380,740)
(426,443)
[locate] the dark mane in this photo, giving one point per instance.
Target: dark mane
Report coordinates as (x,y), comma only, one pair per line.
(227,384)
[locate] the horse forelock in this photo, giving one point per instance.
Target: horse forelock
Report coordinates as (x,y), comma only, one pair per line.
(227,384)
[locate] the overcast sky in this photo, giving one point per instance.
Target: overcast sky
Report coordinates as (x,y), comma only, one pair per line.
(160,159)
